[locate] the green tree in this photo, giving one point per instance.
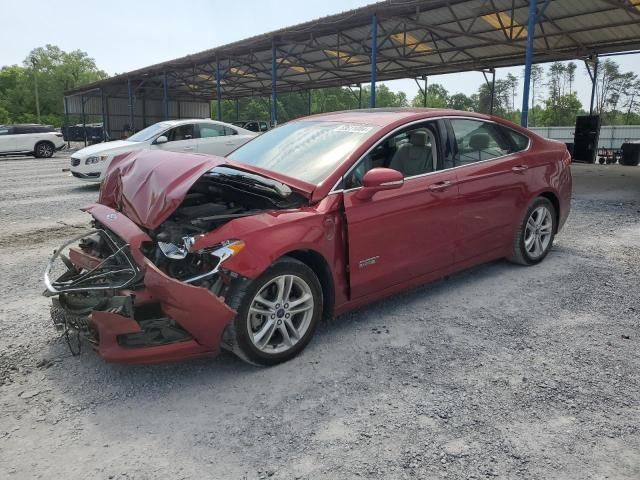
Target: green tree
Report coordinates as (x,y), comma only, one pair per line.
(56,72)
(537,74)
(460,101)
(571,74)
(512,83)
(561,111)
(437,97)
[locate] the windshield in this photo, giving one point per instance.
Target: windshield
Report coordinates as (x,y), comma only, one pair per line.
(307,150)
(148,133)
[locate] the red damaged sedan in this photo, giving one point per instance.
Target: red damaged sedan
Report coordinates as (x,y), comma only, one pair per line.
(189,254)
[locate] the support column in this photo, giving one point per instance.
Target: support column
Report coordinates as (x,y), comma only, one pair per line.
(309,101)
(84,121)
(107,125)
(359,95)
(374,59)
(594,83)
(531,31)
(130,92)
(237,109)
(66,120)
(144,110)
(104,117)
(218,91)
(274,89)
(493,91)
(165,96)
(424,97)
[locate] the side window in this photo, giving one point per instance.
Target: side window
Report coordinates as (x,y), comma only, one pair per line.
(208,130)
(183,132)
(19,130)
(5,131)
(412,151)
(477,141)
(253,126)
(230,131)
(263,126)
(520,142)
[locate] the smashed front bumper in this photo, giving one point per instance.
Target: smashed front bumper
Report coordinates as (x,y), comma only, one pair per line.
(128,309)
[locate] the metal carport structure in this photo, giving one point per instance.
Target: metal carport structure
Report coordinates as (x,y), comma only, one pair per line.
(384,41)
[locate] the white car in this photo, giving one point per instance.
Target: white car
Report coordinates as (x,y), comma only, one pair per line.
(191,136)
(31,139)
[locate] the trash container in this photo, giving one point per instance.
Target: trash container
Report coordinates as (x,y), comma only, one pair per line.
(630,154)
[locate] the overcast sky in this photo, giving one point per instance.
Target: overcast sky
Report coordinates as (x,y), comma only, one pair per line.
(125,35)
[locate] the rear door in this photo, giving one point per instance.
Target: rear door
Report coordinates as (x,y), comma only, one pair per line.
(401,234)
(7,139)
(217,139)
(492,182)
(25,138)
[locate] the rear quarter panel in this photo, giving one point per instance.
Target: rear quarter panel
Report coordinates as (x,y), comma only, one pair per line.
(549,171)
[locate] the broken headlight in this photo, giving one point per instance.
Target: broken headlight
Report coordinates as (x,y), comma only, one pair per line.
(215,255)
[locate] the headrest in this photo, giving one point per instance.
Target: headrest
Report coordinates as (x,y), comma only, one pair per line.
(479,141)
(418,138)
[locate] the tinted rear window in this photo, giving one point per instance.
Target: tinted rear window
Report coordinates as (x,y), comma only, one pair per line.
(520,141)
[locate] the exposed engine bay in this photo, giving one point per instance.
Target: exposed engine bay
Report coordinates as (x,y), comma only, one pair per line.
(99,261)
(220,196)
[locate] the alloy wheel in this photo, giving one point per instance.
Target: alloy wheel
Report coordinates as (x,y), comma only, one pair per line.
(538,232)
(45,151)
(280,314)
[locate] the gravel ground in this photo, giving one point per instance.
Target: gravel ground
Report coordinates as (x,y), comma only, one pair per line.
(501,371)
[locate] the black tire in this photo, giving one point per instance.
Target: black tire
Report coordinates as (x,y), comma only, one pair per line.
(238,337)
(44,150)
(520,253)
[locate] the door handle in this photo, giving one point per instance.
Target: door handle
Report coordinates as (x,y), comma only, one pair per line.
(229,143)
(440,186)
(519,168)
(187,148)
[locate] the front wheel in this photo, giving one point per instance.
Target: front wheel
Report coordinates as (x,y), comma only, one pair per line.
(534,238)
(277,313)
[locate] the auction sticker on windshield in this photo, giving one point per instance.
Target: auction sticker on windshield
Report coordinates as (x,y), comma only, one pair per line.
(353,128)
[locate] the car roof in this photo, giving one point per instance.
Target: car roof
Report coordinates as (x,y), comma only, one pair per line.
(383,117)
(184,121)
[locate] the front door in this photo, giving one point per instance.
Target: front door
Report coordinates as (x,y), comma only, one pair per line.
(401,234)
(7,139)
(182,138)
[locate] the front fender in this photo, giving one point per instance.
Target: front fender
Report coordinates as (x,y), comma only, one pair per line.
(271,235)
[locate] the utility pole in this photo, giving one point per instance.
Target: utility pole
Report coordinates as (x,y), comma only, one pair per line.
(35,81)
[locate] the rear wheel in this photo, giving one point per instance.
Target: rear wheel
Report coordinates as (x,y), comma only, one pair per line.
(534,238)
(44,150)
(277,313)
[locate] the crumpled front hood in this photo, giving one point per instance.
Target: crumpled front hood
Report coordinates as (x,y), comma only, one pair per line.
(149,185)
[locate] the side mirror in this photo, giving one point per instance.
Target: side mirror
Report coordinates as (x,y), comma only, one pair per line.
(377,180)
(161,139)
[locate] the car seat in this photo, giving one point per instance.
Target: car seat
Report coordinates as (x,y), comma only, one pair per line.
(415,157)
